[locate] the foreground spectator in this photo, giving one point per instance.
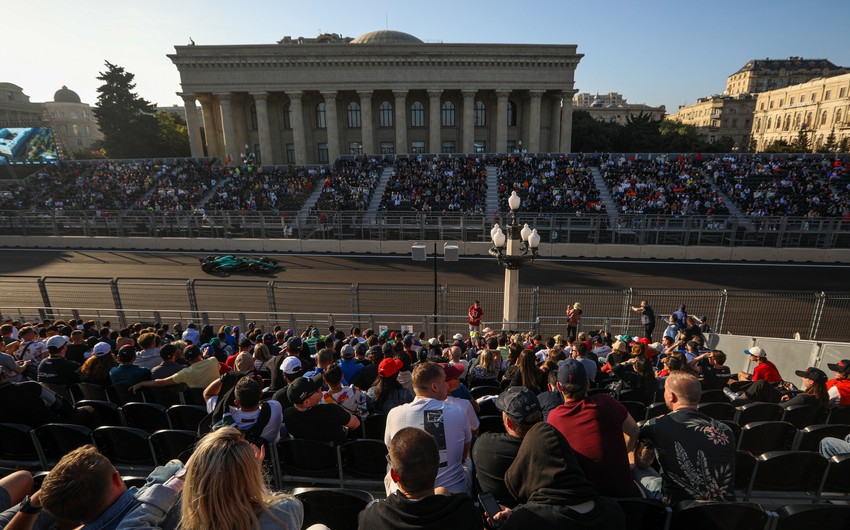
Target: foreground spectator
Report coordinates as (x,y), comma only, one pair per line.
(414,462)
(259,422)
(56,369)
(387,393)
(325,423)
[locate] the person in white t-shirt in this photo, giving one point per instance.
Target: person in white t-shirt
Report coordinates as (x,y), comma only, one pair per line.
(248,410)
(446,422)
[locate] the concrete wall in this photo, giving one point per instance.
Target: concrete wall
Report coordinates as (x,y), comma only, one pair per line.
(645,252)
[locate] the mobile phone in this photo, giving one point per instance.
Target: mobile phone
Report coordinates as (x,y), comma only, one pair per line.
(491,507)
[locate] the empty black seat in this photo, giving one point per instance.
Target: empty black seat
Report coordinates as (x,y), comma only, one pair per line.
(745,464)
(186,417)
(808,438)
(716,515)
(718,410)
(125,447)
(17,449)
(801,416)
(636,409)
(365,459)
(485,390)
(334,507)
(788,471)
(838,475)
(813,516)
(763,436)
(645,514)
(81,391)
(55,440)
(758,412)
(839,415)
(121,395)
(108,413)
(146,416)
(170,444)
(374,426)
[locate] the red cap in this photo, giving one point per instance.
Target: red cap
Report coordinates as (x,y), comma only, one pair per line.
(453,371)
(389,367)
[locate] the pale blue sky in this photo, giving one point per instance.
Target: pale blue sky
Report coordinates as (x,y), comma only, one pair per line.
(659,52)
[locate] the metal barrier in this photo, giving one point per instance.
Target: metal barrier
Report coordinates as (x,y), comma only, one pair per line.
(809,315)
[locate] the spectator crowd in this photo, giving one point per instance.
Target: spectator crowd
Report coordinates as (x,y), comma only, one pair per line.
(439,184)
(559,185)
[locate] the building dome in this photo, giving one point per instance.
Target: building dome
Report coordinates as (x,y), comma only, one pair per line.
(66,95)
(386,37)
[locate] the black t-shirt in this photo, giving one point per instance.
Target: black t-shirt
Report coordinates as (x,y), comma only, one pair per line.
(24,403)
(437,512)
(493,454)
(58,371)
(323,423)
(691,332)
(549,400)
(366,376)
(76,353)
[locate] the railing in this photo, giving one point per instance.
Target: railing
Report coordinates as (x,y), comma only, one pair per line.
(812,315)
(822,233)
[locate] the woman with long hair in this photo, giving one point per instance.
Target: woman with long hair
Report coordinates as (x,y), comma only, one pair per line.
(262,355)
(814,389)
(637,376)
(96,369)
(224,488)
(386,392)
(528,374)
(486,372)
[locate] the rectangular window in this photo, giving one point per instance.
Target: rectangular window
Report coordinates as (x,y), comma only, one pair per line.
(290,153)
(448,147)
(417,148)
(387,148)
(842,92)
(791,102)
(355,148)
(323,153)
(480,146)
(511,146)
(828,95)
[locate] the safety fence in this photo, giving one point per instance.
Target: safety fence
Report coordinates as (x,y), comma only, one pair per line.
(122,301)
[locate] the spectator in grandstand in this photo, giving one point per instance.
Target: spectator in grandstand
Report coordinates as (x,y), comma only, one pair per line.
(414,461)
(15,489)
(716,363)
(191,335)
(696,452)
(290,370)
(431,412)
(579,352)
(764,370)
(552,398)
(128,372)
(32,404)
(262,357)
(198,374)
(56,369)
(97,368)
(598,428)
(526,373)
(551,488)
(13,369)
(467,403)
(493,453)
(245,346)
(325,423)
(30,348)
(77,347)
(168,365)
(814,392)
(839,387)
(486,371)
(348,397)
(350,367)
(259,422)
(387,393)
(647,318)
(638,377)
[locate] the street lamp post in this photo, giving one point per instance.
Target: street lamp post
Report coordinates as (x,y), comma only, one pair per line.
(513,249)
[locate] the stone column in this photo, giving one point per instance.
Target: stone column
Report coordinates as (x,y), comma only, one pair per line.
(297,109)
(566,136)
(534,121)
(230,145)
(434,124)
(554,122)
(332,124)
(261,101)
(501,121)
(194,128)
(210,128)
(366,129)
(468,121)
(401,121)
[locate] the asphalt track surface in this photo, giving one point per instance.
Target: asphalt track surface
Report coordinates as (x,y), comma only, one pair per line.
(469,271)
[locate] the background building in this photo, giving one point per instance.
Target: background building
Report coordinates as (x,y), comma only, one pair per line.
(762,75)
(717,117)
(16,109)
(310,100)
(815,109)
(73,122)
(613,107)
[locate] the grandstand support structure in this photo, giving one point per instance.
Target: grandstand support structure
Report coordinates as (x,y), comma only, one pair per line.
(372,212)
(605,195)
(311,201)
(492,191)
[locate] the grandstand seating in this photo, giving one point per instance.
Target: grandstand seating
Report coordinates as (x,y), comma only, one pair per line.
(559,185)
(250,188)
(350,185)
(441,184)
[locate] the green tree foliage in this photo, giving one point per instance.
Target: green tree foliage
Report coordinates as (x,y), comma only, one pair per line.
(127,121)
(830,144)
(173,135)
(590,135)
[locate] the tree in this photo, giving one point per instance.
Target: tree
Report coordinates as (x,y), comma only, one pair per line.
(830,144)
(127,121)
(173,135)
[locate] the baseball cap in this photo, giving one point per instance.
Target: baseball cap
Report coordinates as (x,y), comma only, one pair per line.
(101,348)
(519,403)
(361,348)
(486,330)
(625,338)
(458,336)
(315,332)
(842,367)
(291,365)
(302,388)
(389,367)
(755,350)
(268,338)
(620,346)
(190,353)
(572,373)
(453,371)
(56,342)
(347,351)
(655,346)
(294,344)
(434,342)
(815,374)
(128,353)
(215,341)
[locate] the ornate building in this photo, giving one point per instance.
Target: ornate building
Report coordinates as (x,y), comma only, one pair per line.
(815,109)
(762,75)
(310,100)
(16,109)
(73,122)
(716,117)
(613,108)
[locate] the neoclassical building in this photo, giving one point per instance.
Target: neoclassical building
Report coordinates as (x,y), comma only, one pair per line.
(763,75)
(817,109)
(613,108)
(307,101)
(74,124)
(716,117)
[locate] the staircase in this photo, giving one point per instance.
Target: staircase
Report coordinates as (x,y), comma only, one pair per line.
(734,211)
(311,201)
(492,206)
(605,196)
(372,212)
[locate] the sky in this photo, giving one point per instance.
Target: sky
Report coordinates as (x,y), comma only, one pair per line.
(657,52)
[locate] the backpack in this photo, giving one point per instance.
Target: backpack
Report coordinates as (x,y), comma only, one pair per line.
(226,398)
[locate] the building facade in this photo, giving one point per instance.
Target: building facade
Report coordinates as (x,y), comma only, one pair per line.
(717,117)
(310,100)
(816,109)
(73,122)
(16,109)
(613,108)
(763,75)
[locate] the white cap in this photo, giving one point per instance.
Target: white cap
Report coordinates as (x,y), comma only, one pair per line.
(56,341)
(755,350)
(458,336)
(290,365)
(101,348)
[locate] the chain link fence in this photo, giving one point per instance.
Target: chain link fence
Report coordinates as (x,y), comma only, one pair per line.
(787,314)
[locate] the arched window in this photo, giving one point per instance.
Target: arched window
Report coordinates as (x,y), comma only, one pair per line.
(769,124)
(417,114)
(787,125)
(354,115)
(758,124)
(823,118)
(808,121)
(837,120)
(480,114)
(385,114)
(287,116)
(320,115)
(253,113)
(511,114)
(448,114)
